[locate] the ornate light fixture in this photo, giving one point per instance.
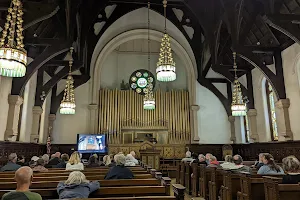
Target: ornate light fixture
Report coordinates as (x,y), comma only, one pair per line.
(13,56)
(238,107)
(149,101)
(165,70)
(67,105)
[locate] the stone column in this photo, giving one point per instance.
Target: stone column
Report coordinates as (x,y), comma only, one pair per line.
(283,120)
(51,119)
(252,113)
(13,117)
(93,118)
(36,116)
(194,123)
(231,119)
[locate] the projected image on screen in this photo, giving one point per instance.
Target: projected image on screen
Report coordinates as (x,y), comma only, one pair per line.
(92,143)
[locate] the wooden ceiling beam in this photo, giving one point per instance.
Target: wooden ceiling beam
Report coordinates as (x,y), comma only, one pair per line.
(35,41)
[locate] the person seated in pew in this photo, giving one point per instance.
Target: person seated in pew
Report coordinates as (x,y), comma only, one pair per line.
(23,177)
(228,162)
(106,161)
(76,186)
(133,155)
(74,163)
(119,171)
(207,157)
(200,160)
(55,159)
(45,157)
(40,166)
(213,162)
(21,161)
(291,166)
(129,160)
(238,165)
(11,164)
(260,161)
(64,161)
(269,167)
(93,162)
(188,157)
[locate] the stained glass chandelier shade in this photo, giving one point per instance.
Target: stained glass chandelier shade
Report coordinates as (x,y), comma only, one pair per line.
(13,56)
(166,70)
(238,107)
(67,106)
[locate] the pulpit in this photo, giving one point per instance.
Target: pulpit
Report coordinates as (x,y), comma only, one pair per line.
(151,157)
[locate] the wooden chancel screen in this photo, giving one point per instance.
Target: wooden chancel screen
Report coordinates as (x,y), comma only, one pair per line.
(129,126)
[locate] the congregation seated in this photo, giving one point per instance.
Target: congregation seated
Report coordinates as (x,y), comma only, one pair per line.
(260,161)
(107,161)
(238,166)
(269,167)
(213,162)
(119,171)
(188,157)
(23,177)
(74,162)
(93,162)
(207,157)
(11,164)
(21,160)
(200,160)
(133,155)
(40,166)
(291,166)
(76,186)
(228,162)
(64,161)
(55,159)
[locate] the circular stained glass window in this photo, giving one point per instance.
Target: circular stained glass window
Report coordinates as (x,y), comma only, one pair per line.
(140,79)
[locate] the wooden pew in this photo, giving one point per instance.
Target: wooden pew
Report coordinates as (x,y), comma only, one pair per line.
(163,190)
(276,191)
(214,185)
(182,172)
(178,172)
(187,177)
(61,178)
(231,185)
(252,186)
(195,179)
(204,178)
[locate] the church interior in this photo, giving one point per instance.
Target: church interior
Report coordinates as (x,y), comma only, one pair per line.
(202,93)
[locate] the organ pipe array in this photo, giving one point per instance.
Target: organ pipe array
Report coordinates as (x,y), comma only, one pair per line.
(123,109)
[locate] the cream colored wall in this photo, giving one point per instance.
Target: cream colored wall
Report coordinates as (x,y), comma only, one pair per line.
(5,89)
(66,127)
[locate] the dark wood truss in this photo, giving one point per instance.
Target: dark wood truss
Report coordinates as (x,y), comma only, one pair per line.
(258,30)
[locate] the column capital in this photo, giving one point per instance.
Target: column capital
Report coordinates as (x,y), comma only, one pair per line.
(52,117)
(231,119)
(252,112)
(194,107)
(93,107)
(283,103)
(15,100)
(37,110)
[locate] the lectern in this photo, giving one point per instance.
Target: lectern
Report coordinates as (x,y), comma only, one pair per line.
(151,157)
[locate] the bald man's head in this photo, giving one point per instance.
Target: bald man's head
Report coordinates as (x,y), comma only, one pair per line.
(24,175)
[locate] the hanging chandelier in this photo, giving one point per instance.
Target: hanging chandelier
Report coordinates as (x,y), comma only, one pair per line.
(149,101)
(13,56)
(238,107)
(67,105)
(166,70)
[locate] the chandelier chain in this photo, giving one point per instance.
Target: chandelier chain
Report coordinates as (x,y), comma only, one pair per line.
(165,14)
(149,35)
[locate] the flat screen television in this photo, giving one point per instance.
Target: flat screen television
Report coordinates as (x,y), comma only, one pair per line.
(92,143)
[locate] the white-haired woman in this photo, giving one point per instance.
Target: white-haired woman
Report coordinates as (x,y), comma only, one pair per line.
(107,161)
(74,162)
(76,186)
(119,171)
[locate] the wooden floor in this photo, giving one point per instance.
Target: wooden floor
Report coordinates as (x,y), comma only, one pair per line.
(187,197)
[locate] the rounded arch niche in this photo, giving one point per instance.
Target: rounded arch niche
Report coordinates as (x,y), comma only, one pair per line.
(134,35)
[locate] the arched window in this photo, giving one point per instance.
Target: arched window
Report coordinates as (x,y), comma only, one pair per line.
(247,129)
(271,110)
